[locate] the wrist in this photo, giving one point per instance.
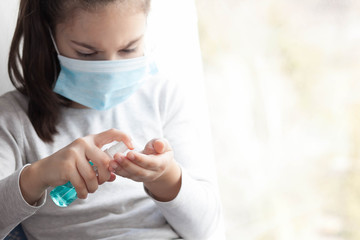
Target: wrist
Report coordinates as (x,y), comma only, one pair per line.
(30,185)
(167,186)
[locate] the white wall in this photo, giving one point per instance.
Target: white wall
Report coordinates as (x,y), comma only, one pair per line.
(8,13)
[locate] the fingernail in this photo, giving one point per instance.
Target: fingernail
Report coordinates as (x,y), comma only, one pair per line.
(131,156)
(114,165)
(132,144)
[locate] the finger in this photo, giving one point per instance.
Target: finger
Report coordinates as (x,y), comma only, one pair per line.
(79,184)
(112,177)
(89,176)
(113,165)
(159,146)
(112,135)
(132,170)
(100,160)
(122,172)
(167,146)
(149,162)
(116,168)
(118,155)
(149,147)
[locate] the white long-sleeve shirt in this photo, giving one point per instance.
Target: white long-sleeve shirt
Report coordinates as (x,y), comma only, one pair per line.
(120,209)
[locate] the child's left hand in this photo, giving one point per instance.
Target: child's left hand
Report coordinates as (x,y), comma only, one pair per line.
(145,166)
(154,166)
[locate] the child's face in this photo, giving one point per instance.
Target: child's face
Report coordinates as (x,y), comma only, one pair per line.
(109,33)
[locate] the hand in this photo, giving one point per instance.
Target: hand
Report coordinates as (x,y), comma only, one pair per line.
(72,164)
(154,166)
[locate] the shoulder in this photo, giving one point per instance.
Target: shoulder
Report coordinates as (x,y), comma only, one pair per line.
(13,117)
(13,101)
(13,107)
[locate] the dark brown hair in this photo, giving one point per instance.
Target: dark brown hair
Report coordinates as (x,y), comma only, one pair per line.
(33,65)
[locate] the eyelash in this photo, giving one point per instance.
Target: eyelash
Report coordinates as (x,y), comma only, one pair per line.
(85,55)
(127,51)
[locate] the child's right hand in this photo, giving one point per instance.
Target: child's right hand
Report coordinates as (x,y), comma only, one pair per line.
(72,164)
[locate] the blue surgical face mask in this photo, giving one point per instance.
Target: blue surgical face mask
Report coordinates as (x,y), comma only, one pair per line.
(102,85)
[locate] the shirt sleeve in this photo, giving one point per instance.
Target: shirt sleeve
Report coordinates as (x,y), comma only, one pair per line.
(13,208)
(196,211)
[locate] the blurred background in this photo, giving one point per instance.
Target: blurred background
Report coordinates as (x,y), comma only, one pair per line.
(282,81)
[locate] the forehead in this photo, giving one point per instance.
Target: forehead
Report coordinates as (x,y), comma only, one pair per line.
(109,24)
(70,10)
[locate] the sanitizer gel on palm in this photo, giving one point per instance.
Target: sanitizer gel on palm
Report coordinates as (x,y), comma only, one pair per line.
(65,194)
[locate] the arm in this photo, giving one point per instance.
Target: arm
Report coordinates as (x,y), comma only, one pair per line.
(23,192)
(71,163)
(196,212)
(181,178)
(13,207)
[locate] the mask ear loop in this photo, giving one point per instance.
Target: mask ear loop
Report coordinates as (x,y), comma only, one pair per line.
(58,53)
(53,41)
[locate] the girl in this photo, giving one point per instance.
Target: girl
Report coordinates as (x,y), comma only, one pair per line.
(83,80)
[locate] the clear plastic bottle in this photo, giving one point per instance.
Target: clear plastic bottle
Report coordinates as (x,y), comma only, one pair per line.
(65,194)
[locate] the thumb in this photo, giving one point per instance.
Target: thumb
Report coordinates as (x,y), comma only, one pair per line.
(161,145)
(156,146)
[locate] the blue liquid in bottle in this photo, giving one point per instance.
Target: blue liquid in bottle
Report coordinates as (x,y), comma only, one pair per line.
(65,194)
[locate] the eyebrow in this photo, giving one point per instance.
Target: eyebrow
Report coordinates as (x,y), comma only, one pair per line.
(95,49)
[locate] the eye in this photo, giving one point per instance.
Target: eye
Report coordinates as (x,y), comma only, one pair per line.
(127,51)
(85,55)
